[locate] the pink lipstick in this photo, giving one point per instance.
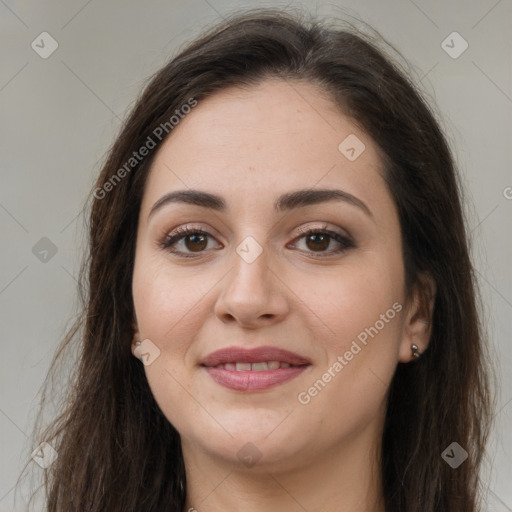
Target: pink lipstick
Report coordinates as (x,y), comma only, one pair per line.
(255,369)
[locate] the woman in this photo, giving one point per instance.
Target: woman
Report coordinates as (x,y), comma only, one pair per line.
(280,311)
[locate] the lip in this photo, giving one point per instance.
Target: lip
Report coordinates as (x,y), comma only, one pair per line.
(253,380)
(254,355)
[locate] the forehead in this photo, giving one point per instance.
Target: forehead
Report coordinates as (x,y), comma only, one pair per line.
(266,139)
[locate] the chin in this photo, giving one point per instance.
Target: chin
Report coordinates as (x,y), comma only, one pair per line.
(250,441)
(257,454)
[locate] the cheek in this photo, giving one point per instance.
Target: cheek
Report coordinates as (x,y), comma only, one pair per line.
(165,308)
(361,310)
(345,301)
(165,298)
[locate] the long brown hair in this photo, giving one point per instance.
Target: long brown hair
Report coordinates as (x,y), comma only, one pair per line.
(116,449)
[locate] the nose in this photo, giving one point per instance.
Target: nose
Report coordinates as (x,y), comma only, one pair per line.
(253,295)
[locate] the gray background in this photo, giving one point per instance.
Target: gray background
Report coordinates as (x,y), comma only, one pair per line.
(60,114)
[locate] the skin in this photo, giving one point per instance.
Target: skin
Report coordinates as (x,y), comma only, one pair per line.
(250,146)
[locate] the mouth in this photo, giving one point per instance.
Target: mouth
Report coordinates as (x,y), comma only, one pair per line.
(256,369)
(240,356)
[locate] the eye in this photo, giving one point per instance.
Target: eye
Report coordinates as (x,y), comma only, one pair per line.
(318,240)
(193,239)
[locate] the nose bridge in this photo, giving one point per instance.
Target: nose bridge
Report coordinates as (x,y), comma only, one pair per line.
(250,281)
(251,265)
(252,291)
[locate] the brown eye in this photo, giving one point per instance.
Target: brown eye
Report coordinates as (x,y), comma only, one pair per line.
(191,241)
(317,241)
(196,242)
(188,240)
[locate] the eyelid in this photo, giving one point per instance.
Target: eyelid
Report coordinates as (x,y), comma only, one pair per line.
(324,226)
(190,228)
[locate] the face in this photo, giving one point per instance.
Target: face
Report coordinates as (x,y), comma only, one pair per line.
(319,275)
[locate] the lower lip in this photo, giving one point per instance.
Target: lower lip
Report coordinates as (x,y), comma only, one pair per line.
(253,381)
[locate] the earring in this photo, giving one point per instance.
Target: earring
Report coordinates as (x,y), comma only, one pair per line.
(415,352)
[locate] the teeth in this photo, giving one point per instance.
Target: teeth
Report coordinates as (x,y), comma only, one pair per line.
(258,367)
(255,367)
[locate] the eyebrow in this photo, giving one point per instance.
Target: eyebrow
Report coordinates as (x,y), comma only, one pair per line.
(285,202)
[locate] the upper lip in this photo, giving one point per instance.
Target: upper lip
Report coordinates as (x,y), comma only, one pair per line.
(254,355)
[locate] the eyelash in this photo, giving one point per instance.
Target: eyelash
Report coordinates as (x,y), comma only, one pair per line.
(171,239)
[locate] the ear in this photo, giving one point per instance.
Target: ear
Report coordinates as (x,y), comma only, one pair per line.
(417,327)
(135,337)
